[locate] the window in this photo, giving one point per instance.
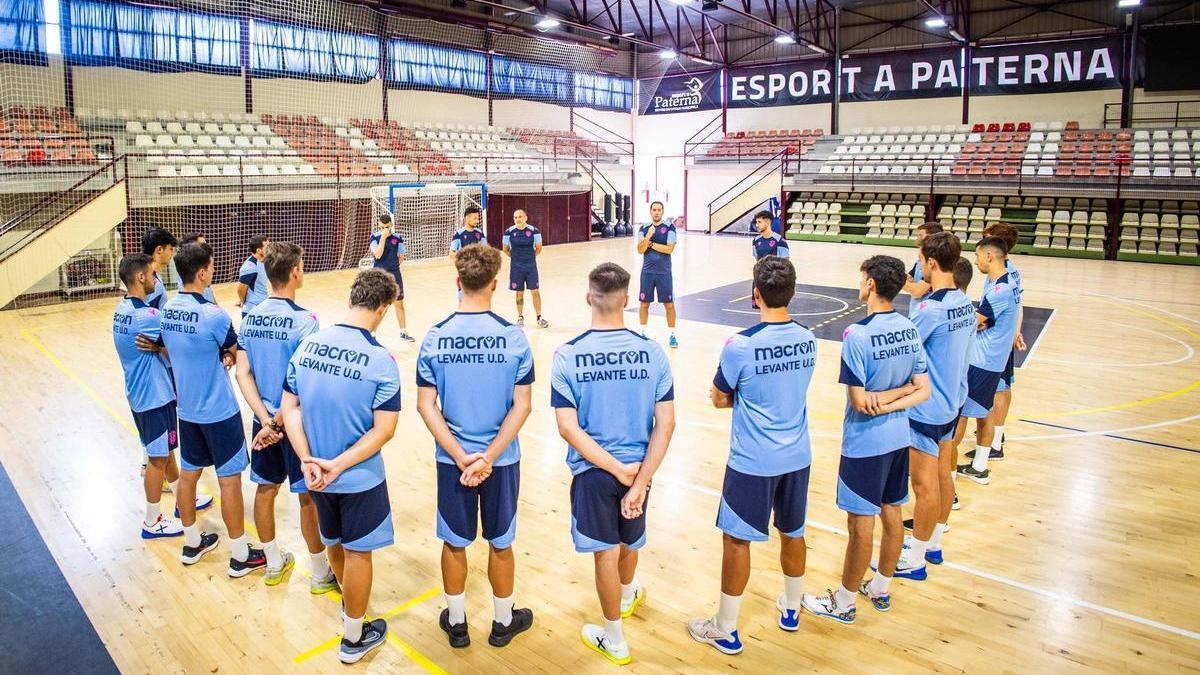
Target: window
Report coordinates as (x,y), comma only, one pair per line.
(413,65)
(21,34)
(605,92)
(288,50)
(520,79)
(163,39)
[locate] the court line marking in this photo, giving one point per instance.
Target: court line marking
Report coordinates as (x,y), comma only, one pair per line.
(983,574)
(1123,438)
(412,652)
(844,306)
(83,386)
(1190,353)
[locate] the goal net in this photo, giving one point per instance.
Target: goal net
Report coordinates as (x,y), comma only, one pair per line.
(426,215)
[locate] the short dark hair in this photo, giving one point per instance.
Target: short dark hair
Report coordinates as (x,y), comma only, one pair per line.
(887,273)
(190,238)
(132,264)
(156,236)
(764,214)
(385,217)
(963,271)
(943,247)
(608,279)
(1004,231)
(372,289)
(930,228)
(477,266)
(257,241)
(659,203)
(280,259)
(775,279)
(471,209)
(190,259)
(994,242)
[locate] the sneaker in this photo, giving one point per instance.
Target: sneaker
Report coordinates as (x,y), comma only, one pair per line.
(953,507)
(143,472)
(708,632)
(907,569)
(827,606)
(596,639)
(673,343)
(501,635)
(542,323)
(993,456)
(192,554)
(933,556)
(789,619)
(628,607)
(257,560)
(520,322)
(880,602)
(162,528)
(203,501)
(274,577)
(968,471)
(407,338)
(322,586)
(908,522)
(373,635)
(457,634)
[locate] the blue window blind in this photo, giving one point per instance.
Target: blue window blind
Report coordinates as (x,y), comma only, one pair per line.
(521,79)
(22,32)
(296,51)
(153,38)
(414,65)
(605,92)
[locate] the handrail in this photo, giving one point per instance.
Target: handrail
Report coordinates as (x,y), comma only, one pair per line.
(12,223)
(1173,118)
(771,160)
(692,139)
(579,116)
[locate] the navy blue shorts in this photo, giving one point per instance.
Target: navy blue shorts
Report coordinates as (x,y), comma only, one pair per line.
(275,463)
(596,520)
(981,392)
(1006,377)
(520,278)
(217,444)
(747,503)
(359,521)
(399,283)
(865,483)
(925,437)
(656,285)
(460,508)
(157,429)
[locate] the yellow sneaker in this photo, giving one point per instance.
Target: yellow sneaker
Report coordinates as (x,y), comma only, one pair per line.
(275,577)
(628,607)
(596,639)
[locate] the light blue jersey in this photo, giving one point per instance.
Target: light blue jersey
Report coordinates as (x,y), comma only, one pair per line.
(768,368)
(147,379)
(918,275)
(946,321)
(474,359)
(158,297)
(254,276)
(881,352)
(1001,306)
(770,244)
(1014,275)
(195,332)
(613,378)
(342,376)
(269,334)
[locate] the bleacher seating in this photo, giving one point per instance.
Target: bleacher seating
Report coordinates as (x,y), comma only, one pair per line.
(558,143)
(855,216)
(331,148)
(762,143)
(1166,228)
(39,136)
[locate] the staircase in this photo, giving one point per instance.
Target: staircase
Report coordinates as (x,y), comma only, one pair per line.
(747,195)
(41,239)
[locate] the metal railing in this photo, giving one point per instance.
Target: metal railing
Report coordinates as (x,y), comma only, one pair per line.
(1180,113)
(759,172)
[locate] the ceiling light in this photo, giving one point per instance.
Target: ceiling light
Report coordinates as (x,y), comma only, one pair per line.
(706,62)
(785,40)
(935,22)
(957,35)
(614,40)
(816,48)
(1129,3)
(628,34)
(667,54)
(681,2)
(546,23)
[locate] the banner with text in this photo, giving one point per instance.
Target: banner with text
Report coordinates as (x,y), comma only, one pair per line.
(680,93)
(1047,67)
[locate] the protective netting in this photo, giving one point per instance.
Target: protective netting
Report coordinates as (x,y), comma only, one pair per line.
(425,216)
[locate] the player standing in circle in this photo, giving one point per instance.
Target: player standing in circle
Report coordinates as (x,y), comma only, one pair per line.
(388,249)
(253,286)
(523,244)
(656,245)
(469,233)
(767,242)
(160,246)
(917,286)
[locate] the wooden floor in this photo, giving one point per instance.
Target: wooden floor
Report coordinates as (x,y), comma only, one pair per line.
(1081,554)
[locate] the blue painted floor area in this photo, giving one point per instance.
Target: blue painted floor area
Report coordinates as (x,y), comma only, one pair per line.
(42,626)
(827,310)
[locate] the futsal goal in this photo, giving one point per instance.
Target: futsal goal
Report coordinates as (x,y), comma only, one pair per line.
(426,215)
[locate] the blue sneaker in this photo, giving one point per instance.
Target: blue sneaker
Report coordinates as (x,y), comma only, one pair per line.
(910,569)
(880,602)
(789,619)
(162,528)
(934,556)
(672,342)
(827,606)
(708,632)
(203,501)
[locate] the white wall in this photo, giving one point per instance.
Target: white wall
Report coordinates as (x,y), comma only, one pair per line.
(905,112)
(659,163)
(529,114)
(421,106)
(333,99)
(705,184)
(32,85)
(783,117)
(1086,107)
(618,122)
(116,88)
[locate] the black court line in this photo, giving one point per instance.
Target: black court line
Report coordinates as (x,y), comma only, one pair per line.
(44,628)
(1120,438)
(827,310)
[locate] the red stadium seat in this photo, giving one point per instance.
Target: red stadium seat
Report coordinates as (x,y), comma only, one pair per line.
(1071,126)
(1008,126)
(978,128)
(1024,126)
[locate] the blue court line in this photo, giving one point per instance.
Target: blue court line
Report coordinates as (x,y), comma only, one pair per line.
(1122,438)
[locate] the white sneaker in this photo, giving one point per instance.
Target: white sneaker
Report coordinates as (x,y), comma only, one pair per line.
(162,528)
(630,605)
(596,639)
(906,568)
(708,632)
(203,500)
(827,606)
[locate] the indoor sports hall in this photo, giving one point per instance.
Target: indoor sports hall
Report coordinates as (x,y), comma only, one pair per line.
(833,130)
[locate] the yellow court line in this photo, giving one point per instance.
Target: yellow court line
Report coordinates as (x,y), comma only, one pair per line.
(417,657)
(83,386)
(410,651)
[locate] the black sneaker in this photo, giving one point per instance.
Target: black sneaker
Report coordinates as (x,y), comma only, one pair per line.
(956,505)
(908,523)
(993,456)
(257,560)
(501,635)
(373,635)
(968,471)
(192,554)
(407,338)
(457,633)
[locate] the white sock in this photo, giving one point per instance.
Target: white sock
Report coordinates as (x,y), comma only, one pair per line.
(613,628)
(981,457)
(274,558)
(917,550)
(191,535)
(879,584)
(643,329)
(998,439)
(457,604)
(844,598)
(628,591)
(174,486)
(352,628)
(239,549)
(153,511)
(727,612)
(935,541)
(503,607)
(793,591)
(320,565)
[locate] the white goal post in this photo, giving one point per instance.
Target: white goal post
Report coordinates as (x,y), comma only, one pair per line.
(426,215)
